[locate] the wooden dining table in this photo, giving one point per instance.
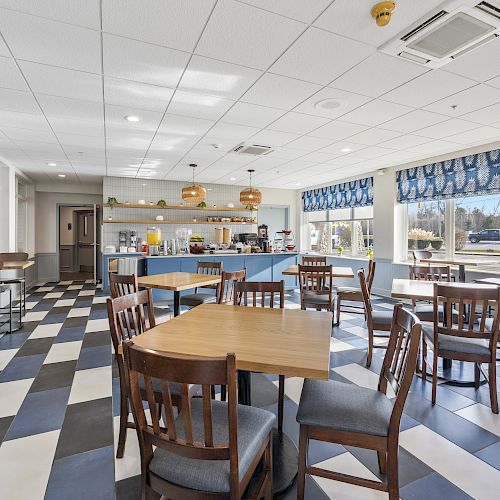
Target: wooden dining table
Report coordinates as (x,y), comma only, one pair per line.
(337,272)
(177,282)
(276,341)
(462,263)
(12,265)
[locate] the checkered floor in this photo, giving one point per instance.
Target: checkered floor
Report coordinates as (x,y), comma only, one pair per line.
(59,414)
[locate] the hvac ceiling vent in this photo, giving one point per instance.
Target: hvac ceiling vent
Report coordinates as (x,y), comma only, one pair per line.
(461,26)
(252,149)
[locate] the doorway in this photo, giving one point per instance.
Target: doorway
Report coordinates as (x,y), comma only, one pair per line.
(76,242)
(275,217)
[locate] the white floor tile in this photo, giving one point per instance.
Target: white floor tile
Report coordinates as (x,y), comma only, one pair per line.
(472,475)
(44,289)
(293,387)
(89,282)
(347,464)
(53,295)
(97,325)
(49,330)
(337,345)
(65,282)
(362,332)
(99,300)
(75,287)
(361,376)
(12,395)
(34,315)
(130,464)
(483,416)
(77,312)
(25,465)
(64,351)
(86,293)
(30,305)
(91,384)
(5,356)
(65,303)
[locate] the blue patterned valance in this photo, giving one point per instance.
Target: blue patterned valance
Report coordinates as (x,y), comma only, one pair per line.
(466,176)
(352,194)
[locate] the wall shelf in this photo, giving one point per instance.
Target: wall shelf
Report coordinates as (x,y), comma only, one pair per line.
(178,222)
(180,207)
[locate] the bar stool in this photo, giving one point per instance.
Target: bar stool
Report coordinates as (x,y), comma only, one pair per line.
(10,282)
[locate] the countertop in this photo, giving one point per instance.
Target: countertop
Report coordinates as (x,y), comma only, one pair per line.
(136,254)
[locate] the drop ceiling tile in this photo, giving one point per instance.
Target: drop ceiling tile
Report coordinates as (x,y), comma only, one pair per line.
(62,107)
(466,101)
(479,135)
(172,23)
(296,9)
(309,143)
(23,120)
(230,132)
(142,62)
(43,135)
(255,42)
(252,115)
(77,126)
(273,138)
(18,101)
(337,147)
(279,91)
(485,116)
(319,157)
(405,141)
(68,11)
(374,136)
(480,64)
(353,19)
(51,42)
(62,82)
(437,146)
(184,126)
(284,153)
(413,121)
(115,119)
(10,76)
(338,130)
(217,77)
(371,152)
(298,123)
(304,61)
(445,129)
(81,141)
(427,88)
(46,147)
(198,105)
(494,82)
(375,113)
(377,75)
(346,101)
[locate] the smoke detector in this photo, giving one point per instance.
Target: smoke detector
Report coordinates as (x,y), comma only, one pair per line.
(382,13)
(252,149)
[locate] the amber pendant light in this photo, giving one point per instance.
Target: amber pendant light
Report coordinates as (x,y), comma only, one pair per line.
(194,193)
(250,197)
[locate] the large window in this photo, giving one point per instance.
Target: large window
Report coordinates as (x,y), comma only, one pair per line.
(426,226)
(348,230)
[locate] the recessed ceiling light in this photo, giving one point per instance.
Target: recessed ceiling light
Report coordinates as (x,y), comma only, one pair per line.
(330,104)
(144,184)
(52,164)
(61,175)
(346,150)
(132,118)
(297,183)
(232,178)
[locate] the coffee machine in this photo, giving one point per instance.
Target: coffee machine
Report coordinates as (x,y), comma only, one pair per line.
(263,240)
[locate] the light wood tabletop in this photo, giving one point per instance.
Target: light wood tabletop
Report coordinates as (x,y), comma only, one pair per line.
(177,281)
(280,341)
(337,272)
(423,290)
(488,281)
(460,261)
(16,264)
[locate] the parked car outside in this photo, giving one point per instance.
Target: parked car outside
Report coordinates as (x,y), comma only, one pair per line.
(485,235)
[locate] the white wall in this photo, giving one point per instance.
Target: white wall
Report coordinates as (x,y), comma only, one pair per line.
(67,229)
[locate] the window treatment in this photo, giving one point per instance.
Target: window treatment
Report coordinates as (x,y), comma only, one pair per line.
(358,193)
(471,175)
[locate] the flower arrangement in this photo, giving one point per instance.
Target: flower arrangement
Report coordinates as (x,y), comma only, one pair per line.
(417,233)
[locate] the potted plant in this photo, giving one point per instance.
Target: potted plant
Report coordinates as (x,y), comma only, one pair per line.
(437,243)
(419,238)
(112,201)
(161,203)
(340,249)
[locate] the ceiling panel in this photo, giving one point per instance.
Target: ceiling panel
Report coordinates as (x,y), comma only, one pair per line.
(255,42)
(444,129)
(374,136)
(485,116)
(10,76)
(62,107)
(405,141)
(198,105)
(57,44)
(303,61)
(298,123)
(42,135)
(309,143)
(115,119)
(413,121)
(337,130)
(376,112)
(184,126)
(62,125)
(273,138)
(15,100)
(478,135)
(279,91)
(142,62)
(23,120)
(229,134)
(296,9)
(172,23)
(252,115)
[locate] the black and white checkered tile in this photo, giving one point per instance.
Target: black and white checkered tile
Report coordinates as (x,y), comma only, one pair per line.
(59,414)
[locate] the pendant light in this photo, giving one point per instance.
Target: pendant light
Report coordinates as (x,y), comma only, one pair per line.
(250,197)
(194,193)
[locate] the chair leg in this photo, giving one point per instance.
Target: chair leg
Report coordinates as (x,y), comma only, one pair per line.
(268,466)
(123,422)
(281,399)
(382,462)
(424,359)
(492,372)
(301,476)
(338,311)
(477,375)
(434,375)
(392,471)
(369,354)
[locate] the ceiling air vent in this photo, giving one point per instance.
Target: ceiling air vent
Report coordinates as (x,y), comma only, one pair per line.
(252,149)
(461,26)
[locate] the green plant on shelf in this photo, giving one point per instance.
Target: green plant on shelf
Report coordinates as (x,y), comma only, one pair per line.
(112,201)
(202,204)
(161,203)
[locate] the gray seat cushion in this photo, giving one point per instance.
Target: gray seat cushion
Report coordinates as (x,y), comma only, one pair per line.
(344,407)
(425,312)
(382,317)
(347,290)
(312,297)
(457,344)
(196,299)
(254,426)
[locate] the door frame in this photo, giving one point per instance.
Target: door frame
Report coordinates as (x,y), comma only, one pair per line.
(272,205)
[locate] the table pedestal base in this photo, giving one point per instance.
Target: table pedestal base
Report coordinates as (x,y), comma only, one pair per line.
(285,462)
(456,373)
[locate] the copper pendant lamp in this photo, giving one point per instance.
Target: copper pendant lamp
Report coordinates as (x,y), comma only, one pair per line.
(250,197)
(194,193)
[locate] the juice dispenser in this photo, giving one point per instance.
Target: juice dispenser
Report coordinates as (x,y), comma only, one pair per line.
(153,238)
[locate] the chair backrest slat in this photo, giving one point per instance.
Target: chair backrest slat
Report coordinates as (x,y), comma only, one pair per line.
(430,273)
(371,274)
(315,280)
(308,260)
(169,412)
(267,290)
(211,268)
(122,284)
(226,288)
(207,415)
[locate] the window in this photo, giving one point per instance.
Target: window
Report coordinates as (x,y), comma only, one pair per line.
(349,230)
(21,217)
(426,227)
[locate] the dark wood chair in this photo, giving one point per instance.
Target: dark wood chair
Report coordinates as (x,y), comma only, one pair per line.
(131,315)
(351,415)
(419,255)
(264,291)
(451,338)
(380,321)
(212,448)
(197,298)
(309,260)
(353,294)
(227,285)
(316,287)
(17,280)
